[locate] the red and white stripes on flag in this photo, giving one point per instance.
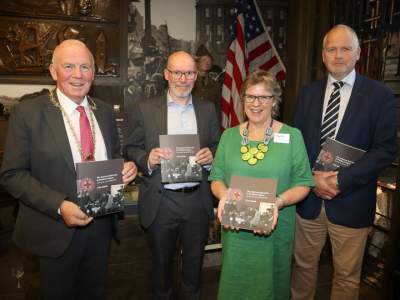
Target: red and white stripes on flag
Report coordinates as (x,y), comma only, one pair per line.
(251,49)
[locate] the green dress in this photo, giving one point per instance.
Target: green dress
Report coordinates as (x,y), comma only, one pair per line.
(259,267)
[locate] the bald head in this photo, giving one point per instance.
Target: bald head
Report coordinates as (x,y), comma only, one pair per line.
(71,43)
(181,58)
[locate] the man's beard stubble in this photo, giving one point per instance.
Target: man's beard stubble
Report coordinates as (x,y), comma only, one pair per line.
(179,94)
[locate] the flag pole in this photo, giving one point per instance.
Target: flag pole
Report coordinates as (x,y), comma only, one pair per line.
(269,37)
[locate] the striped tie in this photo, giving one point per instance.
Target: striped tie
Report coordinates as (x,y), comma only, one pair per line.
(329,123)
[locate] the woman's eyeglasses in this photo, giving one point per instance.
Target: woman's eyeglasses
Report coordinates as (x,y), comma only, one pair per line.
(263,98)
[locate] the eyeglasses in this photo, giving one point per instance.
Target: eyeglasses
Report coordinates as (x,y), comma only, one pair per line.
(176,75)
(263,99)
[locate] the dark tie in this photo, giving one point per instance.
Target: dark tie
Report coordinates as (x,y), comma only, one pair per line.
(87,146)
(329,123)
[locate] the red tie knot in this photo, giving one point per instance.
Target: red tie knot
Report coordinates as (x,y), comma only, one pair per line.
(81,109)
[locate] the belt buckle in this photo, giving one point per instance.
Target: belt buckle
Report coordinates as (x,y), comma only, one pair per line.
(186,189)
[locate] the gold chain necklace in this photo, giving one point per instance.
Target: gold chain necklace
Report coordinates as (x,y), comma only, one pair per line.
(253,154)
(72,128)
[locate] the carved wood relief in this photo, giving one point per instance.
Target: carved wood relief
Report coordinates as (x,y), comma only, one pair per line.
(31,29)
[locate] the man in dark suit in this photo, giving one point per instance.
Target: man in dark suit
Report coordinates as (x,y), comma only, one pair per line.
(173,211)
(359,112)
(45,139)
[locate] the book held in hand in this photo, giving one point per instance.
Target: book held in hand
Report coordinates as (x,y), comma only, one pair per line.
(250,203)
(180,162)
(100,188)
(335,155)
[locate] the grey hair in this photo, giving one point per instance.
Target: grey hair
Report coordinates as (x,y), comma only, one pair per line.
(344,27)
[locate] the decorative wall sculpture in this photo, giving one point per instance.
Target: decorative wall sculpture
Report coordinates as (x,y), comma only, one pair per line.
(31,29)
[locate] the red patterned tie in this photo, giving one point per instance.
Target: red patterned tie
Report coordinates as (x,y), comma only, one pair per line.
(87,146)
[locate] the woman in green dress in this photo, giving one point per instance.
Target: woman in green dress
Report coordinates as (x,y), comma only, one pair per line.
(257,265)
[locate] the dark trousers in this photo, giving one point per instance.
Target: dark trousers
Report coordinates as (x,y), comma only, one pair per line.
(180,217)
(80,273)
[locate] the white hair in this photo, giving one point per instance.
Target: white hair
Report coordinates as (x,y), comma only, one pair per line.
(346,28)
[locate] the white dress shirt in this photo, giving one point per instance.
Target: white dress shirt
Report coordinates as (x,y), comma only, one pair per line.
(69,107)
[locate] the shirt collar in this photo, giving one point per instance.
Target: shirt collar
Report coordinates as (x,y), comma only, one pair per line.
(69,105)
(349,79)
(171,102)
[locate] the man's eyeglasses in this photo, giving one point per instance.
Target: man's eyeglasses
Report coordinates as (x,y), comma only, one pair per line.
(176,75)
(263,99)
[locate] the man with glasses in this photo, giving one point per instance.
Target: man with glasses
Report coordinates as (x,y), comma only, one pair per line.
(359,112)
(173,212)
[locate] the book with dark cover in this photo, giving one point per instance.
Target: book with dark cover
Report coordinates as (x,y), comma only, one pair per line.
(250,203)
(100,188)
(180,163)
(335,155)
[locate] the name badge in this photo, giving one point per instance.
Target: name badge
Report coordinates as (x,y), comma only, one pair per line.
(282,138)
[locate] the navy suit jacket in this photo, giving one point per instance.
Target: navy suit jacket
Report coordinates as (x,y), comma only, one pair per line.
(369,123)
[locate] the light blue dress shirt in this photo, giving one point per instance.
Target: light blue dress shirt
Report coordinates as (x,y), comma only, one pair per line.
(181,120)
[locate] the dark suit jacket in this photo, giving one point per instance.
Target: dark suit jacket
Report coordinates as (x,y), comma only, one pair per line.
(147,119)
(368,123)
(38,170)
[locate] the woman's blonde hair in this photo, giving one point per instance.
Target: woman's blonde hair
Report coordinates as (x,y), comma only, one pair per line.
(270,83)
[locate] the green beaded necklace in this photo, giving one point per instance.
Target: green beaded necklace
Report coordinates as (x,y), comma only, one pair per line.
(253,154)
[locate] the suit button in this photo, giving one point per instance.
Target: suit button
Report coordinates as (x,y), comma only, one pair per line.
(159,191)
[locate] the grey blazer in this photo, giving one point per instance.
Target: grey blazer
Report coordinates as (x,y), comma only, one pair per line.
(147,119)
(38,170)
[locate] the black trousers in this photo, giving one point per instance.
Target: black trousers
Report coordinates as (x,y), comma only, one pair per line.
(80,273)
(180,217)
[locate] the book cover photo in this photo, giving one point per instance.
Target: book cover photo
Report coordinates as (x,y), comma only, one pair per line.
(180,163)
(335,155)
(250,203)
(100,188)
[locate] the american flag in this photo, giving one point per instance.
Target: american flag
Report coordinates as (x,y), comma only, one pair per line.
(251,49)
